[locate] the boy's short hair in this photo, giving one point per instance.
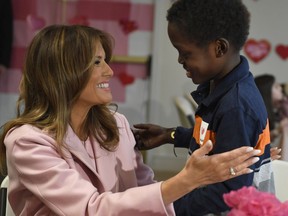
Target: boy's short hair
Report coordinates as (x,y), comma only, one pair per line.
(203,21)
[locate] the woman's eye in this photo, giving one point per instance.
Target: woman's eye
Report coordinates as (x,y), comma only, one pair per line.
(97,62)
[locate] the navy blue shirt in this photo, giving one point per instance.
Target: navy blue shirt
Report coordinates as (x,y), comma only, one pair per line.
(231,116)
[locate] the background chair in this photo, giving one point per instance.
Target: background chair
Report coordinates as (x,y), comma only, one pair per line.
(185,111)
(191,100)
(5,208)
(280,170)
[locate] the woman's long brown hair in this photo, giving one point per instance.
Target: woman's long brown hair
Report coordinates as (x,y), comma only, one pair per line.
(57,67)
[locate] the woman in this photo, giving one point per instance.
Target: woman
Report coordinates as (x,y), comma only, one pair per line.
(69,153)
(277,108)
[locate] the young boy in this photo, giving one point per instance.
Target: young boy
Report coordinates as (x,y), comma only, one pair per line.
(208,35)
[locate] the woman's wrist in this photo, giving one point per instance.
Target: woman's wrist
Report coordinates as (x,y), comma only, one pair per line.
(176,187)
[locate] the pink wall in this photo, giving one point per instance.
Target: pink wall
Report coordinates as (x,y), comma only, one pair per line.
(123,19)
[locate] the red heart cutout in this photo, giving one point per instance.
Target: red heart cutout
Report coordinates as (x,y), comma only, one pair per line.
(79,20)
(282,51)
(128,26)
(125,78)
(257,50)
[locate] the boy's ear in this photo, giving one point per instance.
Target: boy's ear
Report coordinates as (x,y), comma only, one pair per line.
(222,46)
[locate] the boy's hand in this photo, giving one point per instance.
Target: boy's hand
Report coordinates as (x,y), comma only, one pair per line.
(149,136)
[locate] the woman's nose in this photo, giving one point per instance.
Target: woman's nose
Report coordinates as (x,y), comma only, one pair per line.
(108,70)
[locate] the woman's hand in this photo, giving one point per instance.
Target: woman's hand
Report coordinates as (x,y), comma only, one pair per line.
(201,169)
(220,167)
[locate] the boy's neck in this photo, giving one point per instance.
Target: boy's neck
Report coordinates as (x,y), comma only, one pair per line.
(232,61)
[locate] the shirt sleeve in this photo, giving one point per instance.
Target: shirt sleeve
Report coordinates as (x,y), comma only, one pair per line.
(235,129)
(183,137)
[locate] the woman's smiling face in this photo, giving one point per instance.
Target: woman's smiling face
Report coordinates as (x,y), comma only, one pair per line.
(97,90)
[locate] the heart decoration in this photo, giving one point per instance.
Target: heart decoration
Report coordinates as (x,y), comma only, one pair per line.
(79,20)
(128,26)
(35,22)
(125,78)
(282,51)
(257,50)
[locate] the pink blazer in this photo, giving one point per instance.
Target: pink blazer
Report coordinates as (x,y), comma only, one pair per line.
(113,183)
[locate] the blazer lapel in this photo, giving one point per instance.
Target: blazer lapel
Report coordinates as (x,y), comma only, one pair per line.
(76,147)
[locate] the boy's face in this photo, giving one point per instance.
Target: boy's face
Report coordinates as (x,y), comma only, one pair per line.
(201,63)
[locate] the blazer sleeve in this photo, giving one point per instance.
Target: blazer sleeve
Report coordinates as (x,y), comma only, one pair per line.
(144,173)
(48,176)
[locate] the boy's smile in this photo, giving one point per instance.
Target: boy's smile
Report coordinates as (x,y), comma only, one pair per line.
(202,63)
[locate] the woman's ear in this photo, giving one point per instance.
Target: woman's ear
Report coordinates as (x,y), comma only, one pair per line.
(222,46)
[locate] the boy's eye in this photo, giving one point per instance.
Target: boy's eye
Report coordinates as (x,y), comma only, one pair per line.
(185,55)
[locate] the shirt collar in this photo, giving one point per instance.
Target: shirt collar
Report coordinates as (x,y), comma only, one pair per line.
(201,95)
